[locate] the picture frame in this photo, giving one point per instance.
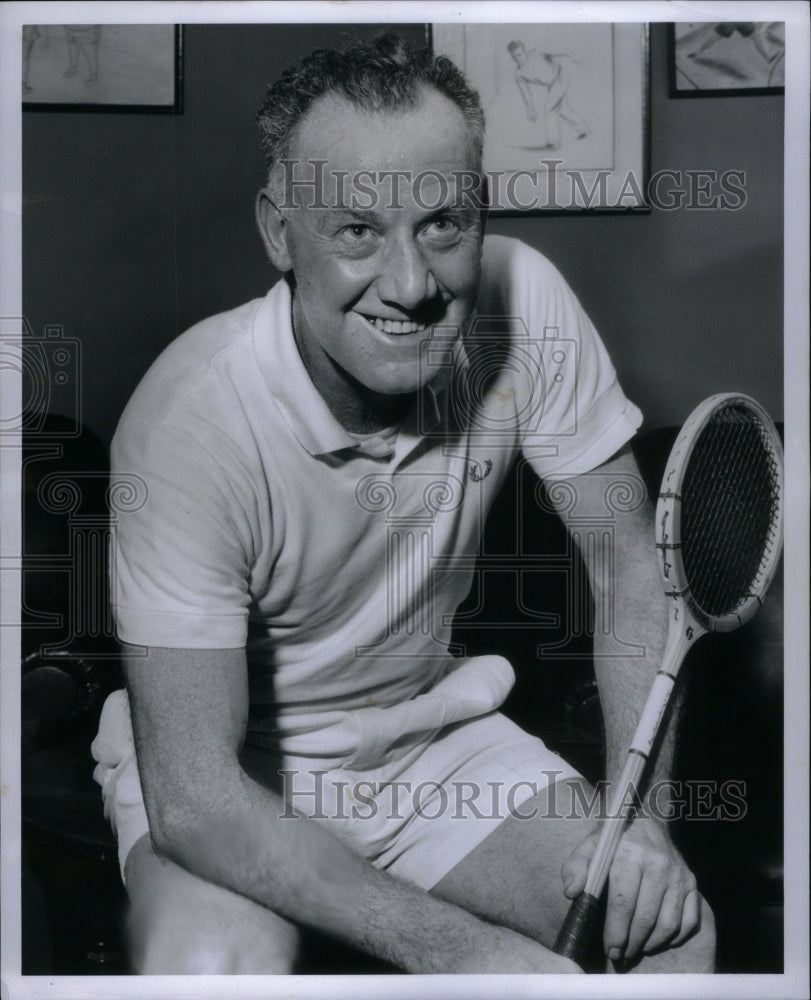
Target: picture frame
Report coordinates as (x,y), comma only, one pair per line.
(566,109)
(726,58)
(102,67)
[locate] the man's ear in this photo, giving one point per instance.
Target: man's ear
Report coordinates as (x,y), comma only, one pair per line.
(273,230)
(484,204)
(484,215)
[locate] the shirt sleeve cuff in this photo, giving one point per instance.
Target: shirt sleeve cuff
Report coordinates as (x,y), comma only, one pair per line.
(609,424)
(181,631)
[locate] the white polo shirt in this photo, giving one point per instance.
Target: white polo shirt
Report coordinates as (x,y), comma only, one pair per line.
(339,564)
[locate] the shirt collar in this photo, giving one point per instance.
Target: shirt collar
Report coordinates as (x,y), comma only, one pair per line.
(304,409)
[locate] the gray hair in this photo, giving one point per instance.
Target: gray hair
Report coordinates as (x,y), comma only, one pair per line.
(383,74)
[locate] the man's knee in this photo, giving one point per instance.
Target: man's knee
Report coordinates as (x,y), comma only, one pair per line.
(695,955)
(210,950)
(182,925)
(699,950)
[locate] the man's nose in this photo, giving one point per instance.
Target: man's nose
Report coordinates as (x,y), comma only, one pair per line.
(407,279)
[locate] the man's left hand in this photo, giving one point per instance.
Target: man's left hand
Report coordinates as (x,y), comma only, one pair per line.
(653,902)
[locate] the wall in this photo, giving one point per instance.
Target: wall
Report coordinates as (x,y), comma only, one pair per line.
(136,226)
(690,302)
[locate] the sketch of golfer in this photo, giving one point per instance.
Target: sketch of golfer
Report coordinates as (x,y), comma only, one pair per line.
(534,68)
(83,40)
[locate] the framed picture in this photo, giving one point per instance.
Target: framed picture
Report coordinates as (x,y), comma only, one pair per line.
(102,67)
(566,110)
(725,58)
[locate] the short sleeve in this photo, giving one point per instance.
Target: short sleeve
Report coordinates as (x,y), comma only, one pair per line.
(572,412)
(180,554)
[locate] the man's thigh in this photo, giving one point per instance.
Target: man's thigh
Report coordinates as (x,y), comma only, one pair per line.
(180,924)
(513,877)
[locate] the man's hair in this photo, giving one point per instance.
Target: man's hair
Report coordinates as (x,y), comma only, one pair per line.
(384,74)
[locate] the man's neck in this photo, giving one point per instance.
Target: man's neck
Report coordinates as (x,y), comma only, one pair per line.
(372,413)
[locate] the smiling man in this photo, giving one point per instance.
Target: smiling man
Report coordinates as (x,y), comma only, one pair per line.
(364,298)
(318,468)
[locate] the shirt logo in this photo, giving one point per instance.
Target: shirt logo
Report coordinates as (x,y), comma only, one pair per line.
(474,473)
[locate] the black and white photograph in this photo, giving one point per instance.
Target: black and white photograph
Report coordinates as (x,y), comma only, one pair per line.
(405,467)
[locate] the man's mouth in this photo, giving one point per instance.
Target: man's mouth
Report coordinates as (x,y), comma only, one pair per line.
(395,327)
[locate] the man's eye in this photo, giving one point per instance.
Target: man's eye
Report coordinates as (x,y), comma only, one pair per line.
(357,231)
(357,238)
(442,230)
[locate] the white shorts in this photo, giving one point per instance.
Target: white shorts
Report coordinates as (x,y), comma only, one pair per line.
(416,816)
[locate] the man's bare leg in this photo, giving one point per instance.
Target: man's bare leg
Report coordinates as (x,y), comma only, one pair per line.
(180,924)
(514,878)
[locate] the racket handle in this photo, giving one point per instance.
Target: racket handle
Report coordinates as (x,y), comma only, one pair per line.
(575,939)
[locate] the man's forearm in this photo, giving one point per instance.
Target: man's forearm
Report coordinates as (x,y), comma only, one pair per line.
(640,618)
(526,96)
(651,898)
(301,871)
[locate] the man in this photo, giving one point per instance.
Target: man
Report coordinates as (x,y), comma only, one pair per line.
(83,40)
(544,69)
(317,466)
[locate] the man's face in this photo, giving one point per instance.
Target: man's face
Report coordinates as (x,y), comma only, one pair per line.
(385,263)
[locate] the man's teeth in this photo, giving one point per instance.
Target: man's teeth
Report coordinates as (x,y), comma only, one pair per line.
(395,325)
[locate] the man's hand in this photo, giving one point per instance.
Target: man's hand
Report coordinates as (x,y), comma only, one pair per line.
(653,902)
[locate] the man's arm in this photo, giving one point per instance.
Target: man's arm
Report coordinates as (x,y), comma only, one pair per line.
(652,895)
(189,712)
(526,95)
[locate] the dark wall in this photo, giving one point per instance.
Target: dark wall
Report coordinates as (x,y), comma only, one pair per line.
(135,226)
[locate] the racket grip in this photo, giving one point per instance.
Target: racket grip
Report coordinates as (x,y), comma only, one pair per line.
(575,939)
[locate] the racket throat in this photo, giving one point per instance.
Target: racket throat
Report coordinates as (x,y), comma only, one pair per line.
(683,630)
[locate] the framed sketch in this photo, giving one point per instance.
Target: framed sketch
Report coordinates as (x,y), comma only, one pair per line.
(102,67)
(725,58)
(566,110)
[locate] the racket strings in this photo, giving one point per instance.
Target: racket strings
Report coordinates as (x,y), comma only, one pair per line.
(745,514)
(730,504)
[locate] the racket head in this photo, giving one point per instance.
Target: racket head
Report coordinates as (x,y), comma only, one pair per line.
(719,517)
